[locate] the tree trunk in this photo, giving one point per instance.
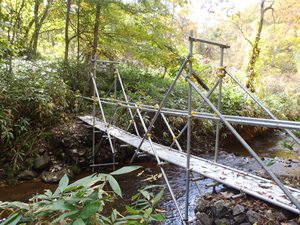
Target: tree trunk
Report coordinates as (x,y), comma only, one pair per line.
(67,41)
(96,29)
(78,30)
(34,38)
(38,23)
(15,13)
(95,41)
(251,71)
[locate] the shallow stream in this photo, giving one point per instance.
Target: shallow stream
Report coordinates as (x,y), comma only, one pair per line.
(267,146)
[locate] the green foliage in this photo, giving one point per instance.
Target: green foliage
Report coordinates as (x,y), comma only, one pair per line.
(74,74)
(34,90)
(32,97)
(142,85)
(83,202)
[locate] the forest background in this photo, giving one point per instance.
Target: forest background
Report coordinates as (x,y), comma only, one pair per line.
(46,46)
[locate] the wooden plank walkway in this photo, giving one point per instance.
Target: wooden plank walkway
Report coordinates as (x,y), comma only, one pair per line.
(256,186)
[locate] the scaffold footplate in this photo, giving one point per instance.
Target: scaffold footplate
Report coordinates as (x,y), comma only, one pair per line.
(253,185)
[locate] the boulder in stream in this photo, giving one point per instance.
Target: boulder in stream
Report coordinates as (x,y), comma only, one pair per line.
(42,162)
(54,175)
(27,175)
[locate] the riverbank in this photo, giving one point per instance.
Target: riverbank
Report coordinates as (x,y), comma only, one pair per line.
(231,207)
(151,175)
(70,145)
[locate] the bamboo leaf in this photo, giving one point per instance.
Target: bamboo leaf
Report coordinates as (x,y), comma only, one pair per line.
(158,197)
(114,185)
(79,221)
(126,169)
(63,183)
(13,219)
(89,210)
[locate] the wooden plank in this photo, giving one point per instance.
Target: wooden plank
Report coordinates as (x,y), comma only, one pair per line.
(253,185)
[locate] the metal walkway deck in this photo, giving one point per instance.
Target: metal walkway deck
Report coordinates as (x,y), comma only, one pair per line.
(253,185)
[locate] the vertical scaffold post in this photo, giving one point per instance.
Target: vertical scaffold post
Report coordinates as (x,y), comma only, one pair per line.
(189,132)
(115,96)
(94,115)
(219,106)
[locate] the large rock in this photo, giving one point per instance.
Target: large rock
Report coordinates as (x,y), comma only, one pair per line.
(55,176)
(253,217)
(202,205)
(27,175)
(42,162)
(220,209)
(279,216)
(238,209)
(204,219)
(240,218)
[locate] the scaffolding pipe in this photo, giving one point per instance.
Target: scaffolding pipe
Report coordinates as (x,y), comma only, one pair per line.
(244,143)
(219,107)
(171,132)
(94,119)
(93,137)
(179,147)
(185,126)
(208,42)
(159,164)
(189,134)
(261,105)
(126,100)
(161,105)
(102,112)
(201,115)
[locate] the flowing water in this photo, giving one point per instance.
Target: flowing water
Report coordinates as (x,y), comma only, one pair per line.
(268,146)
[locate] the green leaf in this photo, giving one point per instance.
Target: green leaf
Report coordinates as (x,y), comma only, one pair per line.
(89,210)
(125,169)
(13,219)
(114,185)
(156,186)
(85,182)
(114,215)
(131,210)
(148,212)
(158,217)
(64,215)
(135,196)
(59,205)
(145,194)
(106,219)
(157,197)
(72,188)
(20,205)
(63,183)
(133,217)
(79,221)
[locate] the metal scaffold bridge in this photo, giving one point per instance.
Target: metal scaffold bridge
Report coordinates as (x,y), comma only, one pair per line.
(270,190)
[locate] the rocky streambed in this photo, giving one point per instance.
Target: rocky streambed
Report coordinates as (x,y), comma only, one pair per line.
(68,151)
(230,207)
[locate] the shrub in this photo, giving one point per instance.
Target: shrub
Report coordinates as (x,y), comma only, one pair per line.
(32,98)
(83,202)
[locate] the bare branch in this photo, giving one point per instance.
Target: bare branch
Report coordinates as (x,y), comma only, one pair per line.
(270,7)
(242,32)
